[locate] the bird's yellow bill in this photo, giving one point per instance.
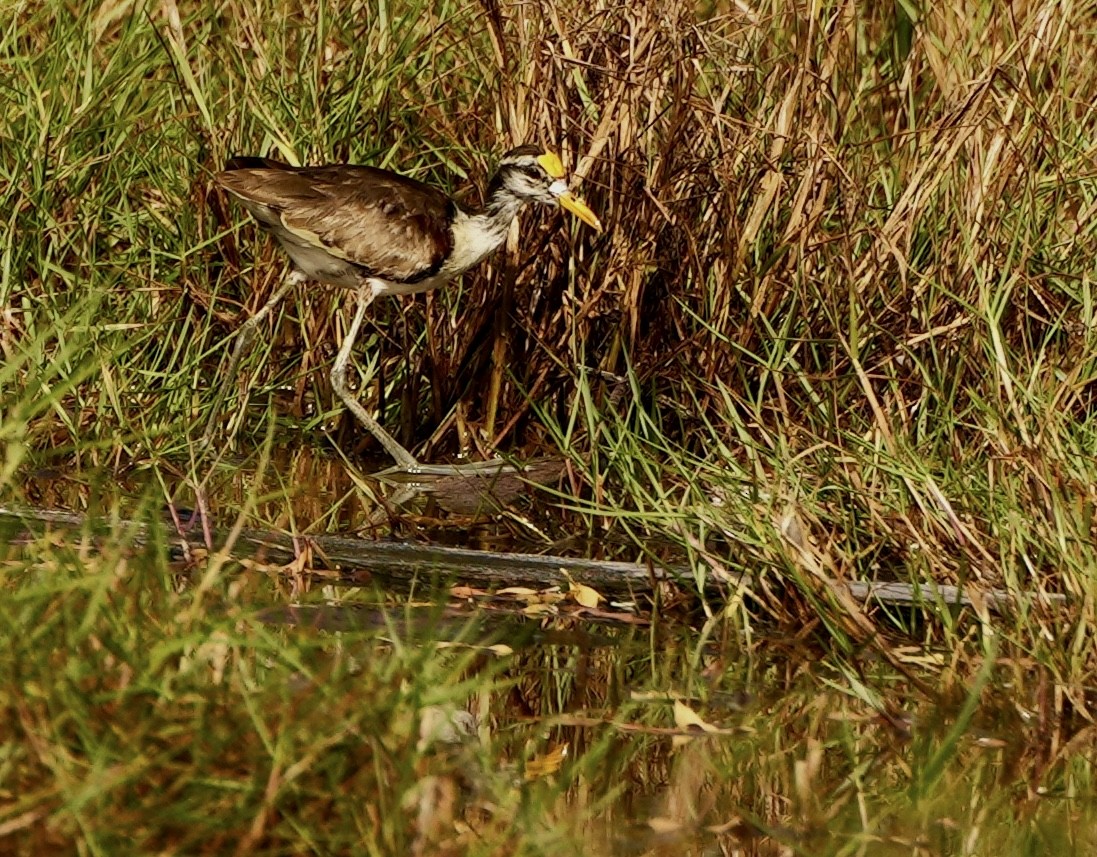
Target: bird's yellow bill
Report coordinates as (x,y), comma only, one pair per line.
(579,208)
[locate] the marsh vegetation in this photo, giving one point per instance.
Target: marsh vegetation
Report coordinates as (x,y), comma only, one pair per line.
(840,327)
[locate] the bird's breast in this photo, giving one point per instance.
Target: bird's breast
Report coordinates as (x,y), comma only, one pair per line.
(474,238)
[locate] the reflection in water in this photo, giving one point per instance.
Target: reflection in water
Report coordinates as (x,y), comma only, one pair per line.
(457,722)
(307,491)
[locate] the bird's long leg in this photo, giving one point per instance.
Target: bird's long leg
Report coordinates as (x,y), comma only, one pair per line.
(244,336)
(404,459)
(406,463)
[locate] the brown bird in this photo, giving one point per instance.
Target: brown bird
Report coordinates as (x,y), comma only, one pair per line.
(381,233)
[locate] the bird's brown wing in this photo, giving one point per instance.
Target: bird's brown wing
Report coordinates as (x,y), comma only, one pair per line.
(394,227)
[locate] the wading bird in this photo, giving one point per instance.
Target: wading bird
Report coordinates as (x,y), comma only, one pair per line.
(381,233)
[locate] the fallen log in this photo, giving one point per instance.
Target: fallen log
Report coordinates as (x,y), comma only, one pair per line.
(357,560)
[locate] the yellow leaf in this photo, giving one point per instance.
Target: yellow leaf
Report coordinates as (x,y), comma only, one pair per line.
(521,591)
(685,718)
(582,593)
(538,609)
(585,595)
(549,763)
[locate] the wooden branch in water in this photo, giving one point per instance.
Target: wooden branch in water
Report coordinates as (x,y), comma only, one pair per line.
(358,560)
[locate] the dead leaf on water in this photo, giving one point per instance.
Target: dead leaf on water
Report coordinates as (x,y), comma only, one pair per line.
(585,596)
(546,764)
(520,591)
(686,718)
(539,609)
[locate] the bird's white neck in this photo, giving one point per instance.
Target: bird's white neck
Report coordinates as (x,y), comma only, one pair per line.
(477,234)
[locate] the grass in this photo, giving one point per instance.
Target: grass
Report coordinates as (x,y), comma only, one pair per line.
(149,711)
(841,326)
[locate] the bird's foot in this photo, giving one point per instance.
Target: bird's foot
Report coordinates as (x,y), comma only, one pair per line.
(406,473)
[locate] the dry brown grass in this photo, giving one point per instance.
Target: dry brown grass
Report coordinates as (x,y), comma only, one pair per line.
(800,212)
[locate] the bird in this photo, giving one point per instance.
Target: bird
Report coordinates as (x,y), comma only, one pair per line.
(379,232)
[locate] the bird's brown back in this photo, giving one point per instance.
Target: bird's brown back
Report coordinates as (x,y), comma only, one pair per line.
(392,226)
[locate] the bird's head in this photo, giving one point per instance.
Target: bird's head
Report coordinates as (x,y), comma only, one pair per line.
(533,174)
